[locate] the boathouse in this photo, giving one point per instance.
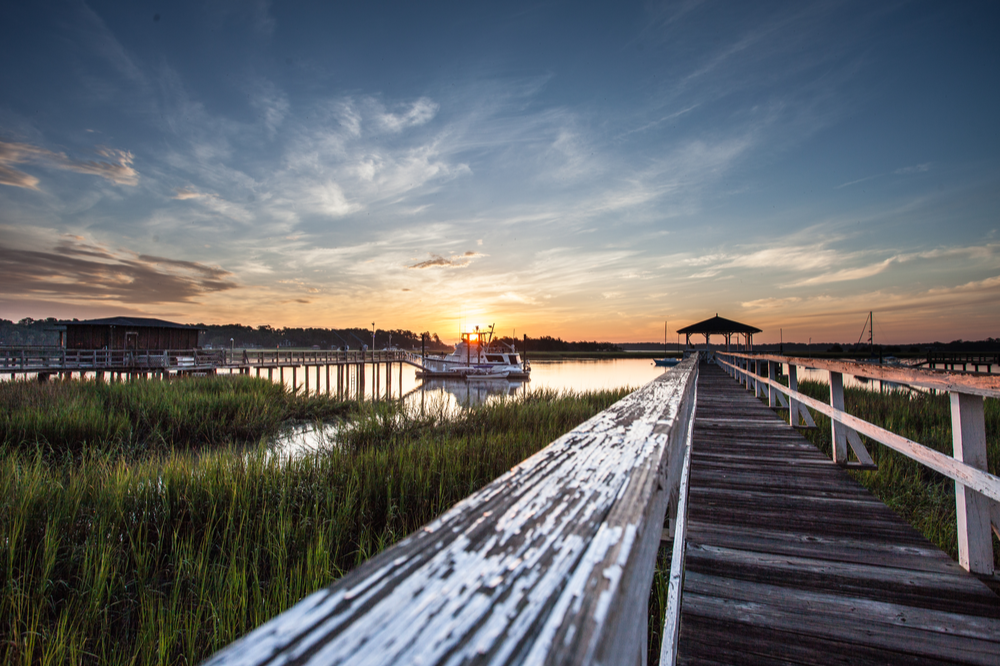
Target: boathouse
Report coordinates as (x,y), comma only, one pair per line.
(129,333)
(720,326)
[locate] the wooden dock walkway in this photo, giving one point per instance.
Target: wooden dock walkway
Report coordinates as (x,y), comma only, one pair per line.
(789,560)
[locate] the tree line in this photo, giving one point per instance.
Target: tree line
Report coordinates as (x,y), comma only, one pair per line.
(354,338)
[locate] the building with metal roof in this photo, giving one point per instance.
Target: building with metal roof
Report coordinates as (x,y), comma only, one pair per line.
(129,333)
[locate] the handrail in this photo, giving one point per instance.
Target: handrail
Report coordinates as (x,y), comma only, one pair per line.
(670,636)
(22,359)
(977,491)
(550,563)
(967,383)
(262,357)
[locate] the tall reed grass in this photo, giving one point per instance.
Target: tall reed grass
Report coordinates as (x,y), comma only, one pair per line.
(113,559)
(77,418)
(924,498)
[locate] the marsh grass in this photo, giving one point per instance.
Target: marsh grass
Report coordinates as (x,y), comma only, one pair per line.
(82,418)
(921,496)
(109,558)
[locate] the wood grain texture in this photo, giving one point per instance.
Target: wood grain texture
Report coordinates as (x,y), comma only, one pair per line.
(795,562)
(550,563)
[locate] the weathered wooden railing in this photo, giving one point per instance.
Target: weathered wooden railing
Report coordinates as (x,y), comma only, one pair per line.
(56,359)
(550,563)
(310,357)
(977,491)
(25,359)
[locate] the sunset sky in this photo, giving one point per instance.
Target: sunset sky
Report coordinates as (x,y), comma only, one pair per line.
(583,170)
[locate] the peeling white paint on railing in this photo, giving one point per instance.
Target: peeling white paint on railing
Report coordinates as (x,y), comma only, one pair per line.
(550,563)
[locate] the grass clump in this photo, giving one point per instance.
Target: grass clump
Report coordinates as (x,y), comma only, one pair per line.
(112,559)
(921,496)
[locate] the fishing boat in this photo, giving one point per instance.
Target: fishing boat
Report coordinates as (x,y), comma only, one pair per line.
(666,361)
(478,356)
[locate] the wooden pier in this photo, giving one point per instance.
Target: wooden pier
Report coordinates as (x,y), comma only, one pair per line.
(985,362)
(777,554)
(344,371)
(790,560)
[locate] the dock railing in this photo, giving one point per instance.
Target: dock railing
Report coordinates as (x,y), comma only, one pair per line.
(977,492)
(261,357)
(552,562)
(58,359)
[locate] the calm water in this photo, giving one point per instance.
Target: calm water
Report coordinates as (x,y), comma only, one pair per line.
(575,375)
(452,395)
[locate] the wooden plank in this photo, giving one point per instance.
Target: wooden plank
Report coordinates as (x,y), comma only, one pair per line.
(943,591)
(734,643)
(818,617)
(845,549)
(978,630)
(552,562)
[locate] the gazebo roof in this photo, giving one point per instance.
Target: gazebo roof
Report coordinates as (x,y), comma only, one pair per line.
(719,325)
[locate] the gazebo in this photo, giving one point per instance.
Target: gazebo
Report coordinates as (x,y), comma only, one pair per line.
(721,326)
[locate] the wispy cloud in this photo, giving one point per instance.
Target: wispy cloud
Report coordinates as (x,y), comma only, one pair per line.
(79,270)
(454,262)
(118,169)
(271,103)
(914,169)
(184,193)
(857,273)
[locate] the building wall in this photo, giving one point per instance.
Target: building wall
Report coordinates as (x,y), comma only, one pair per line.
(98,337)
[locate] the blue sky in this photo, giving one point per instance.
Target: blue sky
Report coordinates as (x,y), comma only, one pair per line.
(586,170)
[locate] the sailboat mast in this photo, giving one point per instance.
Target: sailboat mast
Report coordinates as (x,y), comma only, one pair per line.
(871,332)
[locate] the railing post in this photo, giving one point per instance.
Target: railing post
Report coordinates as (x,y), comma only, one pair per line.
(968,429)
(839,431)
(793,386)
(772,393)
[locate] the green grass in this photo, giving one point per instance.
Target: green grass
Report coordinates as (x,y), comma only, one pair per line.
(108,557)
(77,418)
(924,498)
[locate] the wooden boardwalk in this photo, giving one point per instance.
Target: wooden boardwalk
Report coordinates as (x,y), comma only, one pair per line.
(789,560)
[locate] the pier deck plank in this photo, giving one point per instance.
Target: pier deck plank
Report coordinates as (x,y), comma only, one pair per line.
(789,560)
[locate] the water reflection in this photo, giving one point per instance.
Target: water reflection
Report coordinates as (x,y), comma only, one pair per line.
(304,438)
(462,393)
(447,397)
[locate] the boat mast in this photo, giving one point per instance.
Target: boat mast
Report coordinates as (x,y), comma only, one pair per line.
(871,332)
